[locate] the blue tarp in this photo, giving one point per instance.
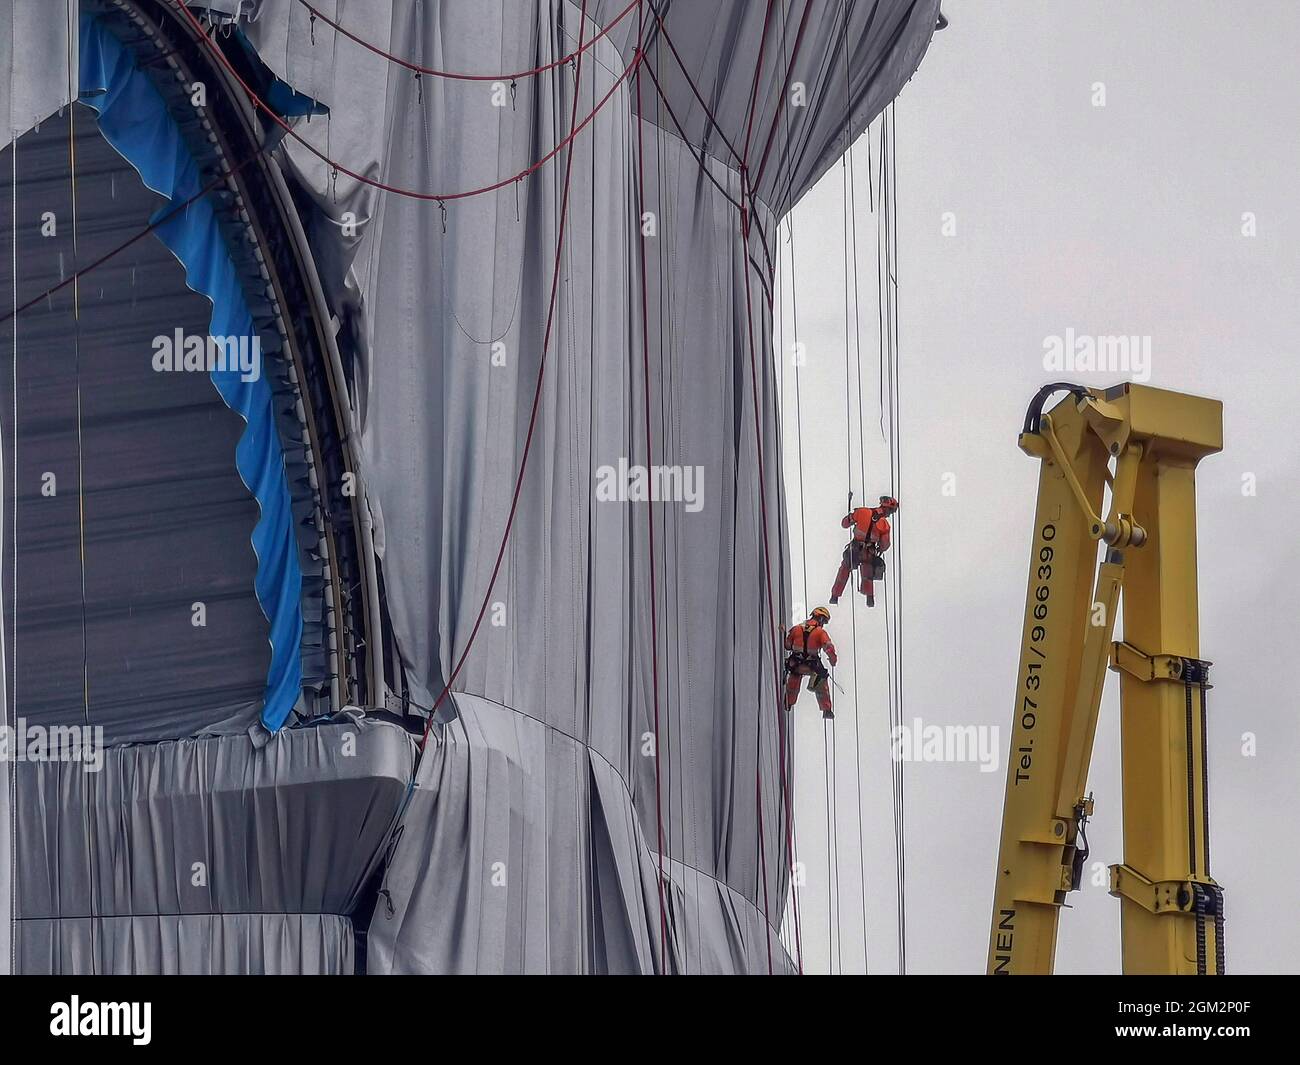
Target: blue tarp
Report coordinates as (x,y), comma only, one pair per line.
(135,120)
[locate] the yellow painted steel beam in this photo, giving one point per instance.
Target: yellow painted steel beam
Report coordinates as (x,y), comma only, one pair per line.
(1162,722)
(1169,903)
(1037,845)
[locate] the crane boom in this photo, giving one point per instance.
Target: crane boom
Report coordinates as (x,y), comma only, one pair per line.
(1171,910)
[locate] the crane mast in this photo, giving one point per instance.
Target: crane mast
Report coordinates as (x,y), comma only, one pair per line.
(1171,910)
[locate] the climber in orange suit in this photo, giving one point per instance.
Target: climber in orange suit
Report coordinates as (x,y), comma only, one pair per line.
(805,644)
(870,527)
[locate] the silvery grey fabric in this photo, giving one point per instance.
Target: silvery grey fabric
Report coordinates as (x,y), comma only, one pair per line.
(424,311)
(530,842)
(206,855)
(35,58)
(188,944)
(521,852)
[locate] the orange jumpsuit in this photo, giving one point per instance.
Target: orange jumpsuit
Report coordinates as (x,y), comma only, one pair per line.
(870,541)
(805,643)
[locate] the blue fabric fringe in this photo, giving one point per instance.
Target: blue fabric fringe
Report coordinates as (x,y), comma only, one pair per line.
(134,119)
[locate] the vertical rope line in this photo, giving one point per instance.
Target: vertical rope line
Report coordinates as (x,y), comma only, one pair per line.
(886,411)
(880,291)
(592,524)
(848,475)
(898,451)
(11,674)
(746,200)
(888,414)
(670,413)
(857,311)
(791,760)
(686,737)
(853,577)
(512,576)
(852,208)
(888,372)
(746,207)
(574,442)
(667,405)
(746,215)
(803,522)
(773,608)
(784,731)
(834,948)
(894,604)
(744,219)
(650,526)
(81,482)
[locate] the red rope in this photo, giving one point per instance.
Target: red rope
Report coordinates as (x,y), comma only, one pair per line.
(787,744)
(575,129)
(704,170)
(690,81)
(413,194)
(681,132)
(753,94)
(532,417)
(786,803)
(537,392)
(650,523)
(746,198)
(767,565)
(453,76)
(744,215)
(794,52)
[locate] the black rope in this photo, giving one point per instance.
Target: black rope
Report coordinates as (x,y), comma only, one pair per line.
(11,693)
(853,329)
(832,851)
(1034,415)
(893,602)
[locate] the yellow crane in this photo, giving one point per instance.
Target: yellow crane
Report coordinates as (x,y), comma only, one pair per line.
(1171,909)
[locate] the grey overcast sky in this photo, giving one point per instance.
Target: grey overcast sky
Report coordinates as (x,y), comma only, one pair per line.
(1124,219)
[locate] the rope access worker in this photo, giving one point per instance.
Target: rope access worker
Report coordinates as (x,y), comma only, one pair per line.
(805,643)
(870,527)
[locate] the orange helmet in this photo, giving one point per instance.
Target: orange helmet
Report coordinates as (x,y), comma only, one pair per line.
(888,503)
(821,614)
